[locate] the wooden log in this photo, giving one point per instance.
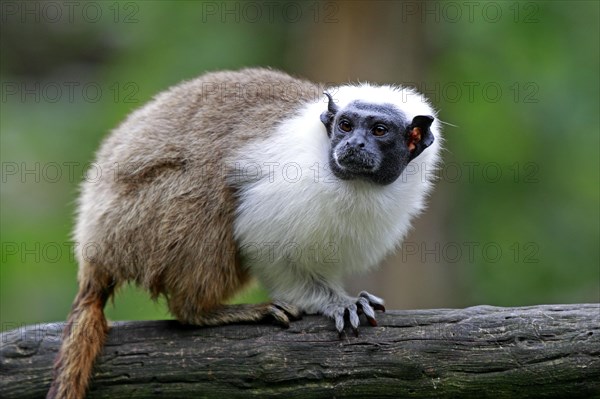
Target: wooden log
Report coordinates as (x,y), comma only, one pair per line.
(549,351)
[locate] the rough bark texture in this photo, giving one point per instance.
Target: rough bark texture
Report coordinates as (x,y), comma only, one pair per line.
(479,352)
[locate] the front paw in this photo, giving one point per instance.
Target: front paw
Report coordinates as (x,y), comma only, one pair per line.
(348,309)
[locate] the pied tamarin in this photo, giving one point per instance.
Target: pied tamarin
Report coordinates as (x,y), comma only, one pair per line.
(244,174)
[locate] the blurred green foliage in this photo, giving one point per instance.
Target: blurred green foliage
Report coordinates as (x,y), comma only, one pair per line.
(541,132)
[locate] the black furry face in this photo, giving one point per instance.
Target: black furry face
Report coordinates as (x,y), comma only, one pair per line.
(373,141)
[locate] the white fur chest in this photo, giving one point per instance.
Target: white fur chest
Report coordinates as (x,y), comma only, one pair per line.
(296,219)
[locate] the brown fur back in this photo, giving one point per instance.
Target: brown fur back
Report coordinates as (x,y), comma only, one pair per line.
(162,213)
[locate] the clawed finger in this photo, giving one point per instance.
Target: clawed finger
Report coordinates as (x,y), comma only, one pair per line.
(375,302)
(365,306)
(279,316)
(339,320)
(378,307)
(292,312)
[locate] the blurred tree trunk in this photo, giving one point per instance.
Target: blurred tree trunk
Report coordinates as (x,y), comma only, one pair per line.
(382,42)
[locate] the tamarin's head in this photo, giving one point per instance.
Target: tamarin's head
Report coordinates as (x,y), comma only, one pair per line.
(373,140)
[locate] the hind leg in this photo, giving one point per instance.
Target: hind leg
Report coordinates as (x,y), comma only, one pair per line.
(201,313)
(199,287)
(279,313)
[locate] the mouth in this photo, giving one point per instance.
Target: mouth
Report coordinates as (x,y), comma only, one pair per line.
(354,160)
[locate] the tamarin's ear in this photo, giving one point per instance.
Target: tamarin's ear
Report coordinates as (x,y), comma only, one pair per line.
(327,116)
(419,135)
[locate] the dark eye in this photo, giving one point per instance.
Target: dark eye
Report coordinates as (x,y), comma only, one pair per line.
(345,126)
(379,130)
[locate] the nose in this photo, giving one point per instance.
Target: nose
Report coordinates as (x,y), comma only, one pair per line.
(355,142)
